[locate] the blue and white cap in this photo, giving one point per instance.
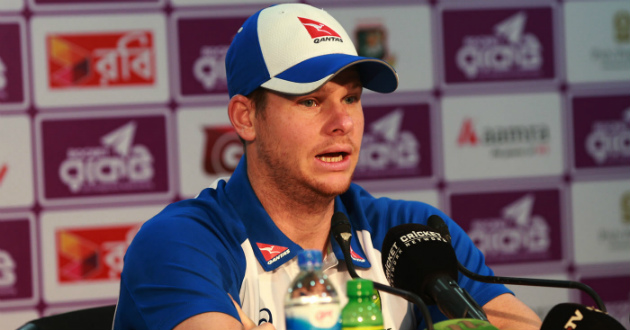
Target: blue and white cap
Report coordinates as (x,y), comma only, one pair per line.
(295,49)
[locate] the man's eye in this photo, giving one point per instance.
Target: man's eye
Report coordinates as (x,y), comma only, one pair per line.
(308,103)
(351,99)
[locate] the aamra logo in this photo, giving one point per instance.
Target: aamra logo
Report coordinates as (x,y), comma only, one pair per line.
(116,165)
(522,140)
(4,169)
(223,150)
(101,59)
(386,146)
(319,31)
(272,253)
(509,53)
(87,254)
(518,231)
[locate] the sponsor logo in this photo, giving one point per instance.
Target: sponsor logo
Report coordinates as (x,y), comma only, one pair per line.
(618,239)
(609,141)
(510,52)
(319,32)
(616,57)
(16,260)
(4,168)
(209,68)
(8,277)
(577,316)
(372,42)
(3,79)
(265,316)
(625,207)
(622,26)
(101,59)
(272,253)
(506,141)
(355,256)
(223,150)
(387,147)
(116,165)
(89,254)
(11,74)
(416,237)
(517,232)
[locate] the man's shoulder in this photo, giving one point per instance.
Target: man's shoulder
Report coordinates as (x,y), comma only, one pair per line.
(209,211)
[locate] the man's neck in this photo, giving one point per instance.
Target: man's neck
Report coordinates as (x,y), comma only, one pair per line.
(303,215)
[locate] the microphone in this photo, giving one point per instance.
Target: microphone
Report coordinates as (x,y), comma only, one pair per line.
(440,226)
(572,316)
(420,260)
(342,232)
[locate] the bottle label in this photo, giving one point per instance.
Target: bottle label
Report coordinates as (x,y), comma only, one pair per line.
(313,317)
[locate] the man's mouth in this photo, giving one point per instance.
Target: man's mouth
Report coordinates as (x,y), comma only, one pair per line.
(334,157)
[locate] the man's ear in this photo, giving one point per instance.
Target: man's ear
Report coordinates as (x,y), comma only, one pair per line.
(242,112)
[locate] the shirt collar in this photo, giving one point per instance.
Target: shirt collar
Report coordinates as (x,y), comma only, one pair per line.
(271,246)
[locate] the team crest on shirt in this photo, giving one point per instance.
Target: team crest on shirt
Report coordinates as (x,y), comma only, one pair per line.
(272,253)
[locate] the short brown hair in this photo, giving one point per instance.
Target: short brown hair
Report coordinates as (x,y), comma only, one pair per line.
(259,98)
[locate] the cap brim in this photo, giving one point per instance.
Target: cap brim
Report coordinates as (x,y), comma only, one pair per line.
(307,76)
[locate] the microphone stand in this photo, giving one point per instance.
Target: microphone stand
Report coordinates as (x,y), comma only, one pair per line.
(440,226)
(534,282)
(343,238)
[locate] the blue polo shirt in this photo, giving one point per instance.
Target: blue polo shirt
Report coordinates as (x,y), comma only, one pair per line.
(185,260)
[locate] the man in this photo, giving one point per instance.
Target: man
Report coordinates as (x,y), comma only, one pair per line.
(226,258)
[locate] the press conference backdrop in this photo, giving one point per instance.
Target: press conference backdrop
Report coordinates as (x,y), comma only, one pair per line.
(512,116)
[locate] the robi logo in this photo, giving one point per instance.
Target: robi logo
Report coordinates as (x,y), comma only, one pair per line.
(317,29)
(223,150)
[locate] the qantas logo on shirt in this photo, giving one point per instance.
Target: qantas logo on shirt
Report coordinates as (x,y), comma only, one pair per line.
(272,253)
(355,256)
(319,31)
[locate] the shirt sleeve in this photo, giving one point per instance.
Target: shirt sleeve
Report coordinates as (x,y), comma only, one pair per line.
(176,267)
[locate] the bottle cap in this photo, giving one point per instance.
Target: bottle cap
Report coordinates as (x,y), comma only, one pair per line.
(310,259)
(359,287)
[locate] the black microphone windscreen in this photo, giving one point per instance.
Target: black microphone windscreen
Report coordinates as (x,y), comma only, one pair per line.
(436,223)
(413,255)
(572,316)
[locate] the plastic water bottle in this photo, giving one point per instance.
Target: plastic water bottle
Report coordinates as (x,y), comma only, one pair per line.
(361,312)
(312,302)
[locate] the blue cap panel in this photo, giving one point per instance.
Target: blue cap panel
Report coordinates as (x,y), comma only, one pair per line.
(244,63)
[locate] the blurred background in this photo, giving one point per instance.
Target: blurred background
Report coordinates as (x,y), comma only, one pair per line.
(512,116)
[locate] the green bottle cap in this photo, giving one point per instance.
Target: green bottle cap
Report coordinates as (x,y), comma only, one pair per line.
(359,287)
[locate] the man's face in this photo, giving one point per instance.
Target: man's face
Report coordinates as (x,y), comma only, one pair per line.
(312,141)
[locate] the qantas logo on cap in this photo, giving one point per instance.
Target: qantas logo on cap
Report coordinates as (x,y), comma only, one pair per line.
(272,253)
(318,30)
